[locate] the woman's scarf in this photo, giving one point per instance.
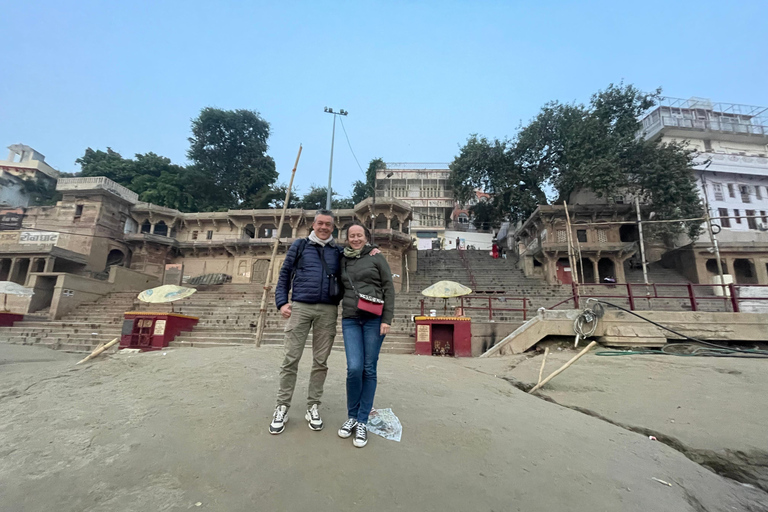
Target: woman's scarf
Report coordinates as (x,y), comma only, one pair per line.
(352,253)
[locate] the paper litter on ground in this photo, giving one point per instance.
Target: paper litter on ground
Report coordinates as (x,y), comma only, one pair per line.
(384,423)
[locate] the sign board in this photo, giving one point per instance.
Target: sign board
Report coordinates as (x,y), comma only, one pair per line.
(11,219)
(38,237)
(422,333)
(425,244)
(173,274)
(159,328)
(11,237)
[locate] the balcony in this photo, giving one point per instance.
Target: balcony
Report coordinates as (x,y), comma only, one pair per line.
(96,183)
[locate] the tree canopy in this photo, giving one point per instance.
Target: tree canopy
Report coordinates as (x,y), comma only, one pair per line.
(573,146)
(230,147)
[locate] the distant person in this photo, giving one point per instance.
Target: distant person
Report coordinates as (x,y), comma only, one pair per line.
(495,251)
(504,252)
(366,316)
(458,243)
(311,273)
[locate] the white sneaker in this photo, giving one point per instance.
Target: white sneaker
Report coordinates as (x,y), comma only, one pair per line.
(313,417)
(361,435)
(346,429)
(279,419)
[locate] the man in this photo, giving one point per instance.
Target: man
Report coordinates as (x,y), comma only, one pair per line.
(313,305)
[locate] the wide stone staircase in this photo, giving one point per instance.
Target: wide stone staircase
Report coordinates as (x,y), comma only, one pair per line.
(228,313)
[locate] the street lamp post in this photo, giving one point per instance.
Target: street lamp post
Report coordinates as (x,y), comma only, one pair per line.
(341,112)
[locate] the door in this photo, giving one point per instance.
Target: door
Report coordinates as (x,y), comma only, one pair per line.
(259,274)
(564,272)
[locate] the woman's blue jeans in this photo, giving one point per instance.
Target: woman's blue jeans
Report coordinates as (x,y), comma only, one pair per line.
(362,343)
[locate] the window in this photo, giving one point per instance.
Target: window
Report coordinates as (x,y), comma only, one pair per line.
(209,235)
(724,222)
(194,235)
(731,192)
(751,220)
(562,236)
(737,215)
(602,236)
(78,211)
(744,190)
(581,235)
(618,199)
(718,192)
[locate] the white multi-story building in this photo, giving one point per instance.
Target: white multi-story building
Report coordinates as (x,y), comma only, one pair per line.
(732,171)
(426,188)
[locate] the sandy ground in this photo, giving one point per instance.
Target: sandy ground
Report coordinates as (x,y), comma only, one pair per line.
(167,430)
(712,409)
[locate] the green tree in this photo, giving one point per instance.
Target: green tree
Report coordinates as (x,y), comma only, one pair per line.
(364,189)
(596,147)
(230,146)
(315,199)
(491,166)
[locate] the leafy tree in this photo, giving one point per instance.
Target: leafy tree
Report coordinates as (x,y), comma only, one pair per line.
(492,167)
(596,147)
(315,199)
(40,192)
(364,189)
(230,146)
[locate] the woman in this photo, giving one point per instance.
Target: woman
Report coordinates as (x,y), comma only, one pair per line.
(368,285)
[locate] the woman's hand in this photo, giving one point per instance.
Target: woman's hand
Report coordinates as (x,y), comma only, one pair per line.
(384,329)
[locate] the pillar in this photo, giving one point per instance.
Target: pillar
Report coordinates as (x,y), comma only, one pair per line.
(595,272)
(14,268)
(618,268)
(151,229)
(49,261)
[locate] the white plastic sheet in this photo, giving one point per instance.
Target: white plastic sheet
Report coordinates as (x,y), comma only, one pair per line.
(384,423)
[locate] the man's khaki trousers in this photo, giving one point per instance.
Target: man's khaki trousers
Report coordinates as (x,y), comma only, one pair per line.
(322,319)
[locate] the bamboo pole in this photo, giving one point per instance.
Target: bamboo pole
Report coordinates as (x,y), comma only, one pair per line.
(571,256)
(543,362)
(642,243)
(564,367)
(98,350)
(578,246)
(268,283)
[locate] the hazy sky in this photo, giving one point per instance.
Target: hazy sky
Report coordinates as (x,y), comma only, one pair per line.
(417,77)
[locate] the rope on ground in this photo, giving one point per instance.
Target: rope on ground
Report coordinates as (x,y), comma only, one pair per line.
(678,349)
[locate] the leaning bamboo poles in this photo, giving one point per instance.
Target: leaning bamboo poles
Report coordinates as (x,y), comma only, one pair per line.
(268,283)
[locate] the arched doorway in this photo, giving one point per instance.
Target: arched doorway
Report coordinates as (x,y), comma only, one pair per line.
(712,267)
(267,231)
(259,274)
(588,269)
(287,231)
(381,221)
(146,226)
(606,268)
(161,228)
(115,257)
(249,231)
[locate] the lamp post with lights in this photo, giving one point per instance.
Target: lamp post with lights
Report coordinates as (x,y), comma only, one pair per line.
(341,112)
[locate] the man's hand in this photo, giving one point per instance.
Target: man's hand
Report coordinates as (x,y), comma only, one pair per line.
(384,329)
(374,251)
(286,311)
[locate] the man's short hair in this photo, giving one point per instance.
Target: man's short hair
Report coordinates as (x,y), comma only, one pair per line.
(329,213)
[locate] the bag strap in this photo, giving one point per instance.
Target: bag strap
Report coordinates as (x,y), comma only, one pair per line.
(349,278)
(323,263)
(299,253)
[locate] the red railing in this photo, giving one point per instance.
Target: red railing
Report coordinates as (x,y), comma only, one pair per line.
(635,292)
(486,303)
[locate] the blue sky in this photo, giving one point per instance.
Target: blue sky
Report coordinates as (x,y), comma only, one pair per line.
(417,77)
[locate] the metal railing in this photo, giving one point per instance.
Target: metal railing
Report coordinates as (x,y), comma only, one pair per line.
(486,303)
(634,293)
(465,262)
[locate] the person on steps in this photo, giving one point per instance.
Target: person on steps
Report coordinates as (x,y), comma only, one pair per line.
(311,273)
(367,310)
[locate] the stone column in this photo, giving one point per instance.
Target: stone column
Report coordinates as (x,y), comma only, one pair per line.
(595,271)
(49,261)
(13,270)
(618,268)
(152,229)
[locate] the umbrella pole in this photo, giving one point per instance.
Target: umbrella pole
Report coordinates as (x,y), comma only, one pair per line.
(268,282)
(5,301)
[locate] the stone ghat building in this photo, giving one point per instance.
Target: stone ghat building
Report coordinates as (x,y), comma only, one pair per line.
(99,238)
(606,246)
